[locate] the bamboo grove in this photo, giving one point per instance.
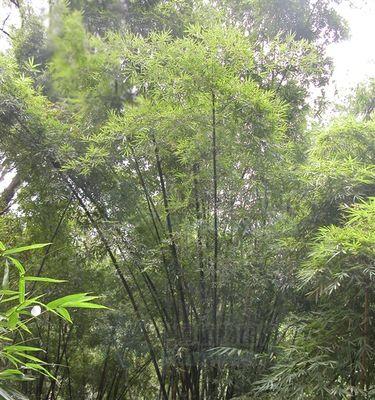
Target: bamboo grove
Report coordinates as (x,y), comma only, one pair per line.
(171,153)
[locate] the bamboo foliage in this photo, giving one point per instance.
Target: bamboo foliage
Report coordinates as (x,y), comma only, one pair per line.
(178,169)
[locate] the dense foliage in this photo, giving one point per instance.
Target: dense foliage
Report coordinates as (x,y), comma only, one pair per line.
(19,309)
(163,148)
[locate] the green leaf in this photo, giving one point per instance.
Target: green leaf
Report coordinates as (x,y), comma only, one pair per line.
(42,279)
(6,339)
(22,288)
(64,313)
(13,375)
(24,327)
(79,300)
(39,368)
(10,298)
(30,357)
(13,359)
(6,277)
(13,320)
(29,302)
(25,248)
(7,292)
(18,265)
(17,347)
(7,393)
(86,305)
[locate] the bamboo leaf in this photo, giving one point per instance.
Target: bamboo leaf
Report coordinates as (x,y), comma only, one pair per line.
(25,248)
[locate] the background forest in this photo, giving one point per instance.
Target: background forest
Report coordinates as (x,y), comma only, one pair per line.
(178,157)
